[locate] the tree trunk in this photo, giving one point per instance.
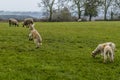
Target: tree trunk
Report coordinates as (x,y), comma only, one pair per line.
(90,17)
(79,13)
(50,15)
(105,14)
(105,11)
(112,15)
(51,10)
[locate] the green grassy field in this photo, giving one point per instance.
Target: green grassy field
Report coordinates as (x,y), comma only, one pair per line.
(64,55)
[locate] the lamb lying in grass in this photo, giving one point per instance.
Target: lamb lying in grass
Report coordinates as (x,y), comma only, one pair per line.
(106,49)
(35,36)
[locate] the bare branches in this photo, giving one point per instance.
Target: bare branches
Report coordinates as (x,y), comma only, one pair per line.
(48,5)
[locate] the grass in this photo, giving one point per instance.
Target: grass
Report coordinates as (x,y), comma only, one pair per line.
(64,55)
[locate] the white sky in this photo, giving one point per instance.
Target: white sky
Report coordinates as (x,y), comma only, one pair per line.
(19,5)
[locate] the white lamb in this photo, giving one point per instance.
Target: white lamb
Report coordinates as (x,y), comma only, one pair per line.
(79,20)
(106,49)
(35,36)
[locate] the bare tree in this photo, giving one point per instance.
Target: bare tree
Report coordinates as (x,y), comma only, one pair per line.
(116,8)
(60,4)
(65,14)
(91,7)
(48,5)
(79,5)
(62,11)
(106,5)
(117,3)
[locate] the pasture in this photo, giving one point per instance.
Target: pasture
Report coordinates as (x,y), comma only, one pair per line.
(64,55)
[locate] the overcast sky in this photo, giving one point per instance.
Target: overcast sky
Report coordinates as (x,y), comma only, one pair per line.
(19,5)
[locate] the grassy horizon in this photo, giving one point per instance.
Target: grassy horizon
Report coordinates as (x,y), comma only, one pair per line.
(64,55)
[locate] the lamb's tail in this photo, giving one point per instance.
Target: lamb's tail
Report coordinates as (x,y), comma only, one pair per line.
(112,46)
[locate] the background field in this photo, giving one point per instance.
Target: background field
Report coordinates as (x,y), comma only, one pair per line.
(64,55)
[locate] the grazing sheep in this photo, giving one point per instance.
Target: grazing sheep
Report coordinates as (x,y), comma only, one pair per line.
(13,22)
(35,36)
(27,21)
(106,49)
(79,20)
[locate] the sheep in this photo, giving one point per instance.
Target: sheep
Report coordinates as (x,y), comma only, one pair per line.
(13,21)
(108,52)
(35,36)
(27,21)
(106,49)
(79,20)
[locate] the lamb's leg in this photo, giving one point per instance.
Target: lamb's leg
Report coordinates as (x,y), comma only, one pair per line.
(105,57)
(30,36)
(112,57)
(37,43)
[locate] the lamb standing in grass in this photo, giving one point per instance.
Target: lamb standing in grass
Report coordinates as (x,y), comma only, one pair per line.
(35,36)
(106,49)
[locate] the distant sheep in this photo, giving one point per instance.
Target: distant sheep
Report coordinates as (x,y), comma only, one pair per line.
(13,21)
(27,21)
(35,36)
(79,20)
(106,49)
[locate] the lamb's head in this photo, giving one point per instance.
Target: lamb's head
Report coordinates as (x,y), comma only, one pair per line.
(95,52)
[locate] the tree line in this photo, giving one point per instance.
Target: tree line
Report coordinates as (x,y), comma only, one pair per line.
(67,10)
